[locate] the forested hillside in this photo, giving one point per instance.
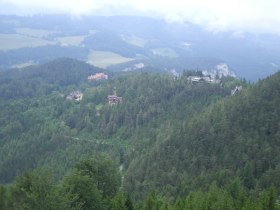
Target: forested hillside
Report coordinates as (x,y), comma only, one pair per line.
(169,144)
(40,126)
(236,138)
(44,79)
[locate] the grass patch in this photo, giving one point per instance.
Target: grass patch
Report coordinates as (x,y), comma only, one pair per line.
(33,32)
(71,40)
(164,52)
(103,59)
(16,41)
(135,40)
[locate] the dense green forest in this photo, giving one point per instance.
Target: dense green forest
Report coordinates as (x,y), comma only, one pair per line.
(39,126)
(237,137)
(168,145)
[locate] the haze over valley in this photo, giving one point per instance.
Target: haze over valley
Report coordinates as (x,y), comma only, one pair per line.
(120,42)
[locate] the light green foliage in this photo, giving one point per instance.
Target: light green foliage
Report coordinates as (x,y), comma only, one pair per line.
(80,192)
(119,202)
(104,59)
(32,190)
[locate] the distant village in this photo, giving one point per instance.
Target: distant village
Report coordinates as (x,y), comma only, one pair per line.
(78,95)
(194,80)
(203,79)
(114,99)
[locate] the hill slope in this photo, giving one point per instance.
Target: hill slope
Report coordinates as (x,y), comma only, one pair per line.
(41,127)
(236,137)
(166,135)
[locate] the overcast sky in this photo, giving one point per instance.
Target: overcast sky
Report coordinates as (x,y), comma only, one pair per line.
(239,15)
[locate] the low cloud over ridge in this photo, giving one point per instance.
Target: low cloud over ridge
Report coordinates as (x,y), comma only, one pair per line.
(217,15)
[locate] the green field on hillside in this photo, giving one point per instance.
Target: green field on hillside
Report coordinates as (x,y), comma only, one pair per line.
(16,41)
(71,40)
(104,59)
(165,52)
(33,32)
(135,40)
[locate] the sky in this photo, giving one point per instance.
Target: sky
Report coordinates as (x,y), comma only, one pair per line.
(216,15)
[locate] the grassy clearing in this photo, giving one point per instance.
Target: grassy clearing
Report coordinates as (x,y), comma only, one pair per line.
(71,40)
(16,41)
(165,52)
(33,32)
(103,59)
(135,40)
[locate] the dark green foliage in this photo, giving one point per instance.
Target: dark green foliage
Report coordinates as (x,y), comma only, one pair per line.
(129,203)
(103,171)
(39,126)
(3,197)
(235,137)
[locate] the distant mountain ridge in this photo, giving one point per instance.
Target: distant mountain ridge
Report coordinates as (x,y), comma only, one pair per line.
(46,37)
